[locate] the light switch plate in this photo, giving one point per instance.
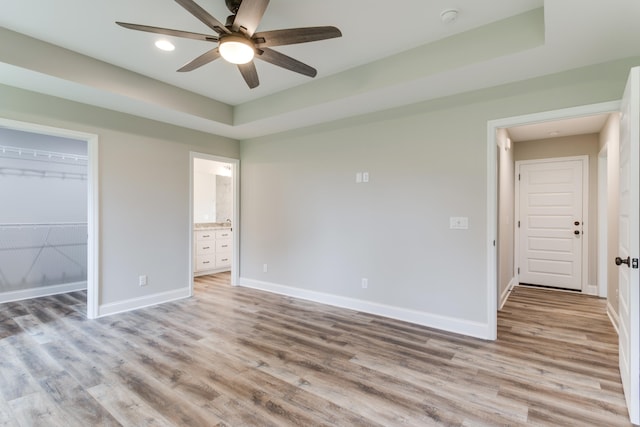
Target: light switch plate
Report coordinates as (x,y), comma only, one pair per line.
(459,223)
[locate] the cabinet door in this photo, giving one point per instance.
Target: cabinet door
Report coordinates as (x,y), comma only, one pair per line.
(223,234)
(205,247)
(223,245)
(206,262)
(223,260)
(205,235)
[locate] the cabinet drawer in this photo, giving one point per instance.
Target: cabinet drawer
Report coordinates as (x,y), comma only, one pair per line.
(205,235)
(206,262)
(223,260)
(223,234)
(204,247)
(223,245)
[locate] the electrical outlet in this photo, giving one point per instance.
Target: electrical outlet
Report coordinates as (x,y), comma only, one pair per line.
(142,280)
(265,268)
(365,283)
(459,223)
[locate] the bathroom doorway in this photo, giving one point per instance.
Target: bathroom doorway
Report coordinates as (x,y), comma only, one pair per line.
(214,216)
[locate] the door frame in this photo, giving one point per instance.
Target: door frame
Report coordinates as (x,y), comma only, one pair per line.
(492,190)
(603,220)
(93,202)
(584,273)
(235,224)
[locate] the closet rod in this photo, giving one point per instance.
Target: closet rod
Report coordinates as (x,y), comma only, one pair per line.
(5,149)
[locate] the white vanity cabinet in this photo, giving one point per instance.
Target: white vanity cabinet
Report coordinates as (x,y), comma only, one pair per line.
(212,250)
(223,249)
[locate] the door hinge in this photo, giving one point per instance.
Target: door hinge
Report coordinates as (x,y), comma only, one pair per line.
(518,224)
(634,263)
(494,243)
(518,177)
(518,270)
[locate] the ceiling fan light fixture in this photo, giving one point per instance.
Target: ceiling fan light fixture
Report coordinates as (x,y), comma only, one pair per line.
(236,49)
(238,42)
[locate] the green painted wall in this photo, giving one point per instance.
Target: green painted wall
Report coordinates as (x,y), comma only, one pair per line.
(304,215)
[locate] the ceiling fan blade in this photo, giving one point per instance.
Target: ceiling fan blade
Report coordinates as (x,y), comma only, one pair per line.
(203,16)
(294,36)
(249,15)
(250,74)
(284,61)
(169,32)
(201,60)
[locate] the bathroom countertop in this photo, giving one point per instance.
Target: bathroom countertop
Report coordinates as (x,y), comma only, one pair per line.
(211,225)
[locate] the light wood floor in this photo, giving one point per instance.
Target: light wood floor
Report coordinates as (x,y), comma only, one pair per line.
(239,357)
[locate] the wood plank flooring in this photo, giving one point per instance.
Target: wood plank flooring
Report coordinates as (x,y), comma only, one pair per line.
(240,357)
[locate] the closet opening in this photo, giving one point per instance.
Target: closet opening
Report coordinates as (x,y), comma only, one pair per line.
(48,216)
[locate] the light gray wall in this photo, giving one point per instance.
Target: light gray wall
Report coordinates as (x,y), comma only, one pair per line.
(610,137)
(569,146)
(30,197)
(144,189)
(37,192)
(506,194)
(304,215)
(301,210)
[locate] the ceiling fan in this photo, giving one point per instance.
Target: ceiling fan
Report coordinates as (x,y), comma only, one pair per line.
(238,41)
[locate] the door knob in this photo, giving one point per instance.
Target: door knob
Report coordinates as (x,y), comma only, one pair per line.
(576,232)
(620,261)
(576,223)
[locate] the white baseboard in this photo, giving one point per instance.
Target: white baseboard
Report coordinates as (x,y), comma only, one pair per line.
(141,302)
(613,316)
(42,291)
(450,324)
(591,290)
(507,291)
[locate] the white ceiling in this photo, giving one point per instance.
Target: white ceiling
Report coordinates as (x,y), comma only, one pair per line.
(88,27)
(559,128)
(576,33)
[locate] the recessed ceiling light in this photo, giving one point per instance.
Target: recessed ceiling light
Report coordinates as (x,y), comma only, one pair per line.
(165,45)
(449,16)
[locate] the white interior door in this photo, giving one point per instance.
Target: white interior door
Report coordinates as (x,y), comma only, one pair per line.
(551,223)
(629,245)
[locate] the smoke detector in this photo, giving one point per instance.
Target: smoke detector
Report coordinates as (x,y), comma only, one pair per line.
(449,16)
